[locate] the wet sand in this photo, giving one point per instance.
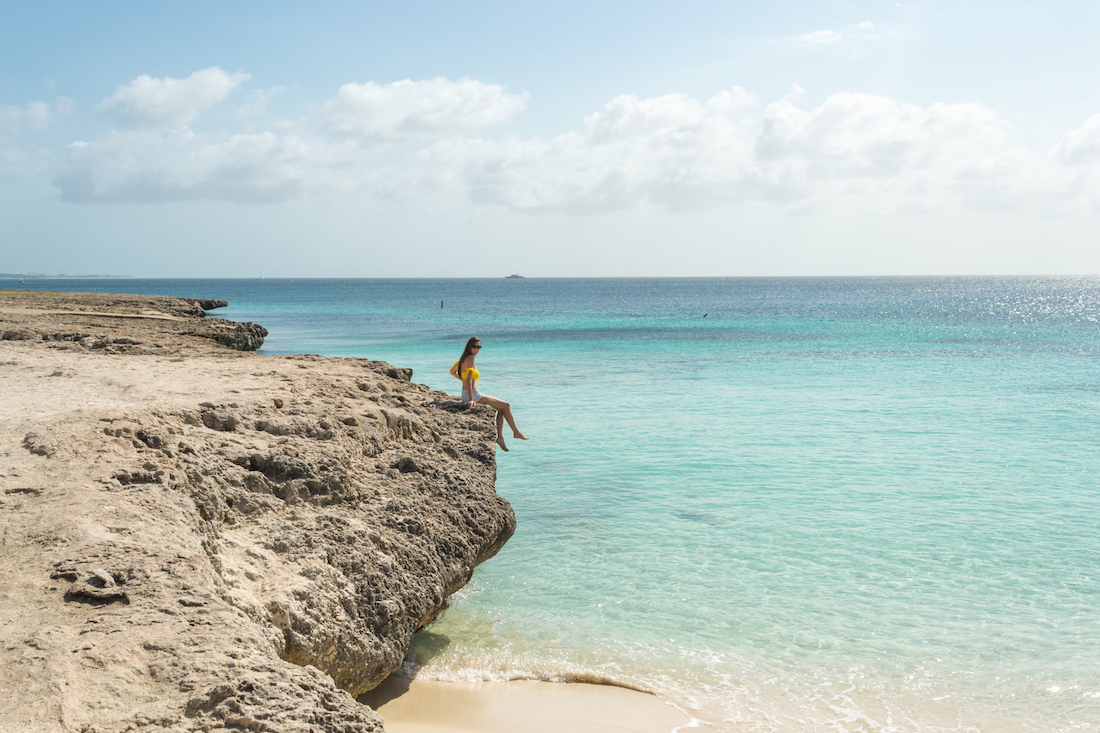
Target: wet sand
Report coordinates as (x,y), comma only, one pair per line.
(416,706)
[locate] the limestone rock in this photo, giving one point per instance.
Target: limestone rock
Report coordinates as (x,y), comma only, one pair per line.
(207,304)
(132,324)
(203,539)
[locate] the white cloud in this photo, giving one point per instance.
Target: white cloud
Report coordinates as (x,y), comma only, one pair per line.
(863,135)
(1078,153)
(884,155)
(17,159)
(257,101)
(408,110)
(673,152)
(676,152)
(818,38)
(36,116)
(170,102)
(152,166)
(170,162)
(17,163)
(864,31)
(1081,145)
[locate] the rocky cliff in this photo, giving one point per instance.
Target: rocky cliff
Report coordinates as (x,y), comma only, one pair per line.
(198,538)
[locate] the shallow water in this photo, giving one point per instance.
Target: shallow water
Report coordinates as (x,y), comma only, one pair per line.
(831,504)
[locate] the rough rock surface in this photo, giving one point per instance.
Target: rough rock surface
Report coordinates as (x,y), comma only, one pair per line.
(194,538)
(131,324)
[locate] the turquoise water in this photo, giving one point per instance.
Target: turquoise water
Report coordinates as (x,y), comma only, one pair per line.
(849,504)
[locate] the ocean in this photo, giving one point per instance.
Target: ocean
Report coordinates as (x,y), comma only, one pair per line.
(806,504)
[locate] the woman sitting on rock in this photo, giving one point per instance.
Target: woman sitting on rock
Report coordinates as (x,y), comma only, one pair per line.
(465,370)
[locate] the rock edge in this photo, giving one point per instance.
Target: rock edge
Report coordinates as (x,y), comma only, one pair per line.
(195,538)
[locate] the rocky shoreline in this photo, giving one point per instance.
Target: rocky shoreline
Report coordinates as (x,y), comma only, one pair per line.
(196,537)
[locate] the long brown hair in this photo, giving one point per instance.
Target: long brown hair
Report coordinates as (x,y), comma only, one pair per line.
(466,352)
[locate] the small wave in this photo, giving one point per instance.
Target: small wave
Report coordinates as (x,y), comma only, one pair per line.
(412,670)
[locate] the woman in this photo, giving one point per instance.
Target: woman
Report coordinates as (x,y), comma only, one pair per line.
(465,370)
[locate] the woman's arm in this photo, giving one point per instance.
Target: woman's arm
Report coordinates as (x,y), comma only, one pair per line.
(454,371)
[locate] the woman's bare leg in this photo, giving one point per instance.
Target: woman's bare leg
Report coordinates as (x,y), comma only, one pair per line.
(500,431)
(505,409)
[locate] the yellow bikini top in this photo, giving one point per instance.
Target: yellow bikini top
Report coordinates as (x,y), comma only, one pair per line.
(475,373)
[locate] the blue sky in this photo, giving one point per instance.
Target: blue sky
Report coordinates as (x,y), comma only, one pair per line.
(571,139)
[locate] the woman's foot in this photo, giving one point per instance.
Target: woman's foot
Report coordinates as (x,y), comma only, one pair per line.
(520,436)
(500,442)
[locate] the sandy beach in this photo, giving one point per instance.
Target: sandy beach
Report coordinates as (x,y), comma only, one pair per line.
(415,706)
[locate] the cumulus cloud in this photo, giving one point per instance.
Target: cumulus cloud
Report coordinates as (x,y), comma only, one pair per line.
(893,156)
(1078,156)
(19,162)
(818,38)
(864,134)
(152,166)
(677,153)
(169,102)
(36,116)
(165,160)
(1081,145)
(864,31)
(17,158)
(673,150)
(257,101)
(408,110)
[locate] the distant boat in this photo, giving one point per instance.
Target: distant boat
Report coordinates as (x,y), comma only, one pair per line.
(514,277)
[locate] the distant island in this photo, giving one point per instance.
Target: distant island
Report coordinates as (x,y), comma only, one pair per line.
(514,277)
(44,276)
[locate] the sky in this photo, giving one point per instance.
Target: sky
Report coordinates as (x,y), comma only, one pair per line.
(568,139)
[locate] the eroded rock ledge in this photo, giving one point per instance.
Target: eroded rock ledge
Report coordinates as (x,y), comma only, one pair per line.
(131,324)
(194,538)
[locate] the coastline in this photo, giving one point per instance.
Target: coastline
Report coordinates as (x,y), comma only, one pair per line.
(743,649)
(425,706)
(196,535)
